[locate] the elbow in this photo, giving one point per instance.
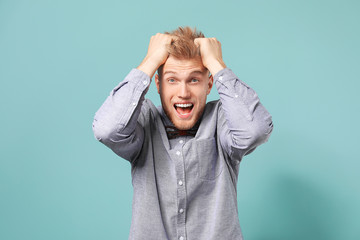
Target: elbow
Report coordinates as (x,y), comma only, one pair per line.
(101,132)
(252,137)
(98,132)
(261,133)
(262,127)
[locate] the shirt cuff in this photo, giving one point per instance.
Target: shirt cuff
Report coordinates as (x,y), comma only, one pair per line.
(224,74)
(139,78)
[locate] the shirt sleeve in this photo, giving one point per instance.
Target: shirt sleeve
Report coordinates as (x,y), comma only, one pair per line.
(243,121)
(116,123)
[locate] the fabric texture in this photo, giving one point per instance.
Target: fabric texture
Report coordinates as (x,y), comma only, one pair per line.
(185,187)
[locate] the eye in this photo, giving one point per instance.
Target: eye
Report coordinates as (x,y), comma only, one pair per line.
(194,80)
(171,80)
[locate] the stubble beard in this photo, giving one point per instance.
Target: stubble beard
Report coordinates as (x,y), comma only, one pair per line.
(185,125)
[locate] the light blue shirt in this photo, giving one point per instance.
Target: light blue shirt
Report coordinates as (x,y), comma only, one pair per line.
(184,188)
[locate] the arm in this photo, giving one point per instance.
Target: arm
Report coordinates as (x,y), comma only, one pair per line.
(243,121)
(116,122)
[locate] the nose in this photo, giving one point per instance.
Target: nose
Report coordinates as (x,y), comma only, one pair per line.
(184,91)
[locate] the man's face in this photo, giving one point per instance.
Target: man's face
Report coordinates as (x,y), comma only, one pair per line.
(183,89)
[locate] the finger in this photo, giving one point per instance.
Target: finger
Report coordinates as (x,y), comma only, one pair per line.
(197,42)
(174,38)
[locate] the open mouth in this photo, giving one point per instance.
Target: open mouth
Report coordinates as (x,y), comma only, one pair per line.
(183,109)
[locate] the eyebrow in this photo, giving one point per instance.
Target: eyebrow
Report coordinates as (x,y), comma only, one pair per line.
(193,72)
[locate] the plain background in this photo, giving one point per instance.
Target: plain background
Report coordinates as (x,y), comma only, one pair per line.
(59,60)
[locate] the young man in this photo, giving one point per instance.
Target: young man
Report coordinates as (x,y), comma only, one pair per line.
(184,154)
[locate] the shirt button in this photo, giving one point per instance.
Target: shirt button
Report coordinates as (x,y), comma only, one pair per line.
(181,141)
(221,77)
(144,82)
(180,183)
(178,153)
(181,210)
(236,95)
(134,103)
(181,238)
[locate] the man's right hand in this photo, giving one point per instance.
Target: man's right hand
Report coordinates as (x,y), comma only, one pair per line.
(157,53)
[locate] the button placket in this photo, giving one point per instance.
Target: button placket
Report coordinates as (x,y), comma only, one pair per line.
(181,193)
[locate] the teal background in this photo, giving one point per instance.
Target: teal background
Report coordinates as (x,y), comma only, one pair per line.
(59,60)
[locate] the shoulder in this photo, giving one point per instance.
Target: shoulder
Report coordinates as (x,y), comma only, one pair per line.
(212,107)
(148,111)
(210,113)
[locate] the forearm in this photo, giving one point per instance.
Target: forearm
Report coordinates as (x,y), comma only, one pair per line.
(148,66)
(157,53)
(247,123)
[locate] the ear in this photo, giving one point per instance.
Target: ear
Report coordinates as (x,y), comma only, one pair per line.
(210,84)
(157,81)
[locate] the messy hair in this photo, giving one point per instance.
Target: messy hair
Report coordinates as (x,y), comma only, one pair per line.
(183,46)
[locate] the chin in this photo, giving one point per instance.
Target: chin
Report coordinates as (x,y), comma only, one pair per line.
(183,125)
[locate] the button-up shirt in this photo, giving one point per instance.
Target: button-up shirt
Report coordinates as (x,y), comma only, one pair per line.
(184,188)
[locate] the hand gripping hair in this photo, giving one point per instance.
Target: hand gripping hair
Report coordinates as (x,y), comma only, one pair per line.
(183,47)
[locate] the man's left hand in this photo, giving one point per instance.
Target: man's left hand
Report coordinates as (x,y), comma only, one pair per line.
(211,55)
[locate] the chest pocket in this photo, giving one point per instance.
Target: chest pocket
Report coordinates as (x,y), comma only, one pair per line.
(207,157)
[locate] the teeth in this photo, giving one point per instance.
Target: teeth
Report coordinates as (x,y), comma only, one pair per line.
(183,105)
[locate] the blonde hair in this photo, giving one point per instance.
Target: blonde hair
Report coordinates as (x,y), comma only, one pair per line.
(183,46)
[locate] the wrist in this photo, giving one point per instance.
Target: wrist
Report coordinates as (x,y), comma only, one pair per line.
(215,66)
(149,66)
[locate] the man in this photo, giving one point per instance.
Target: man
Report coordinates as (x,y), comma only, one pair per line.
(184,154)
